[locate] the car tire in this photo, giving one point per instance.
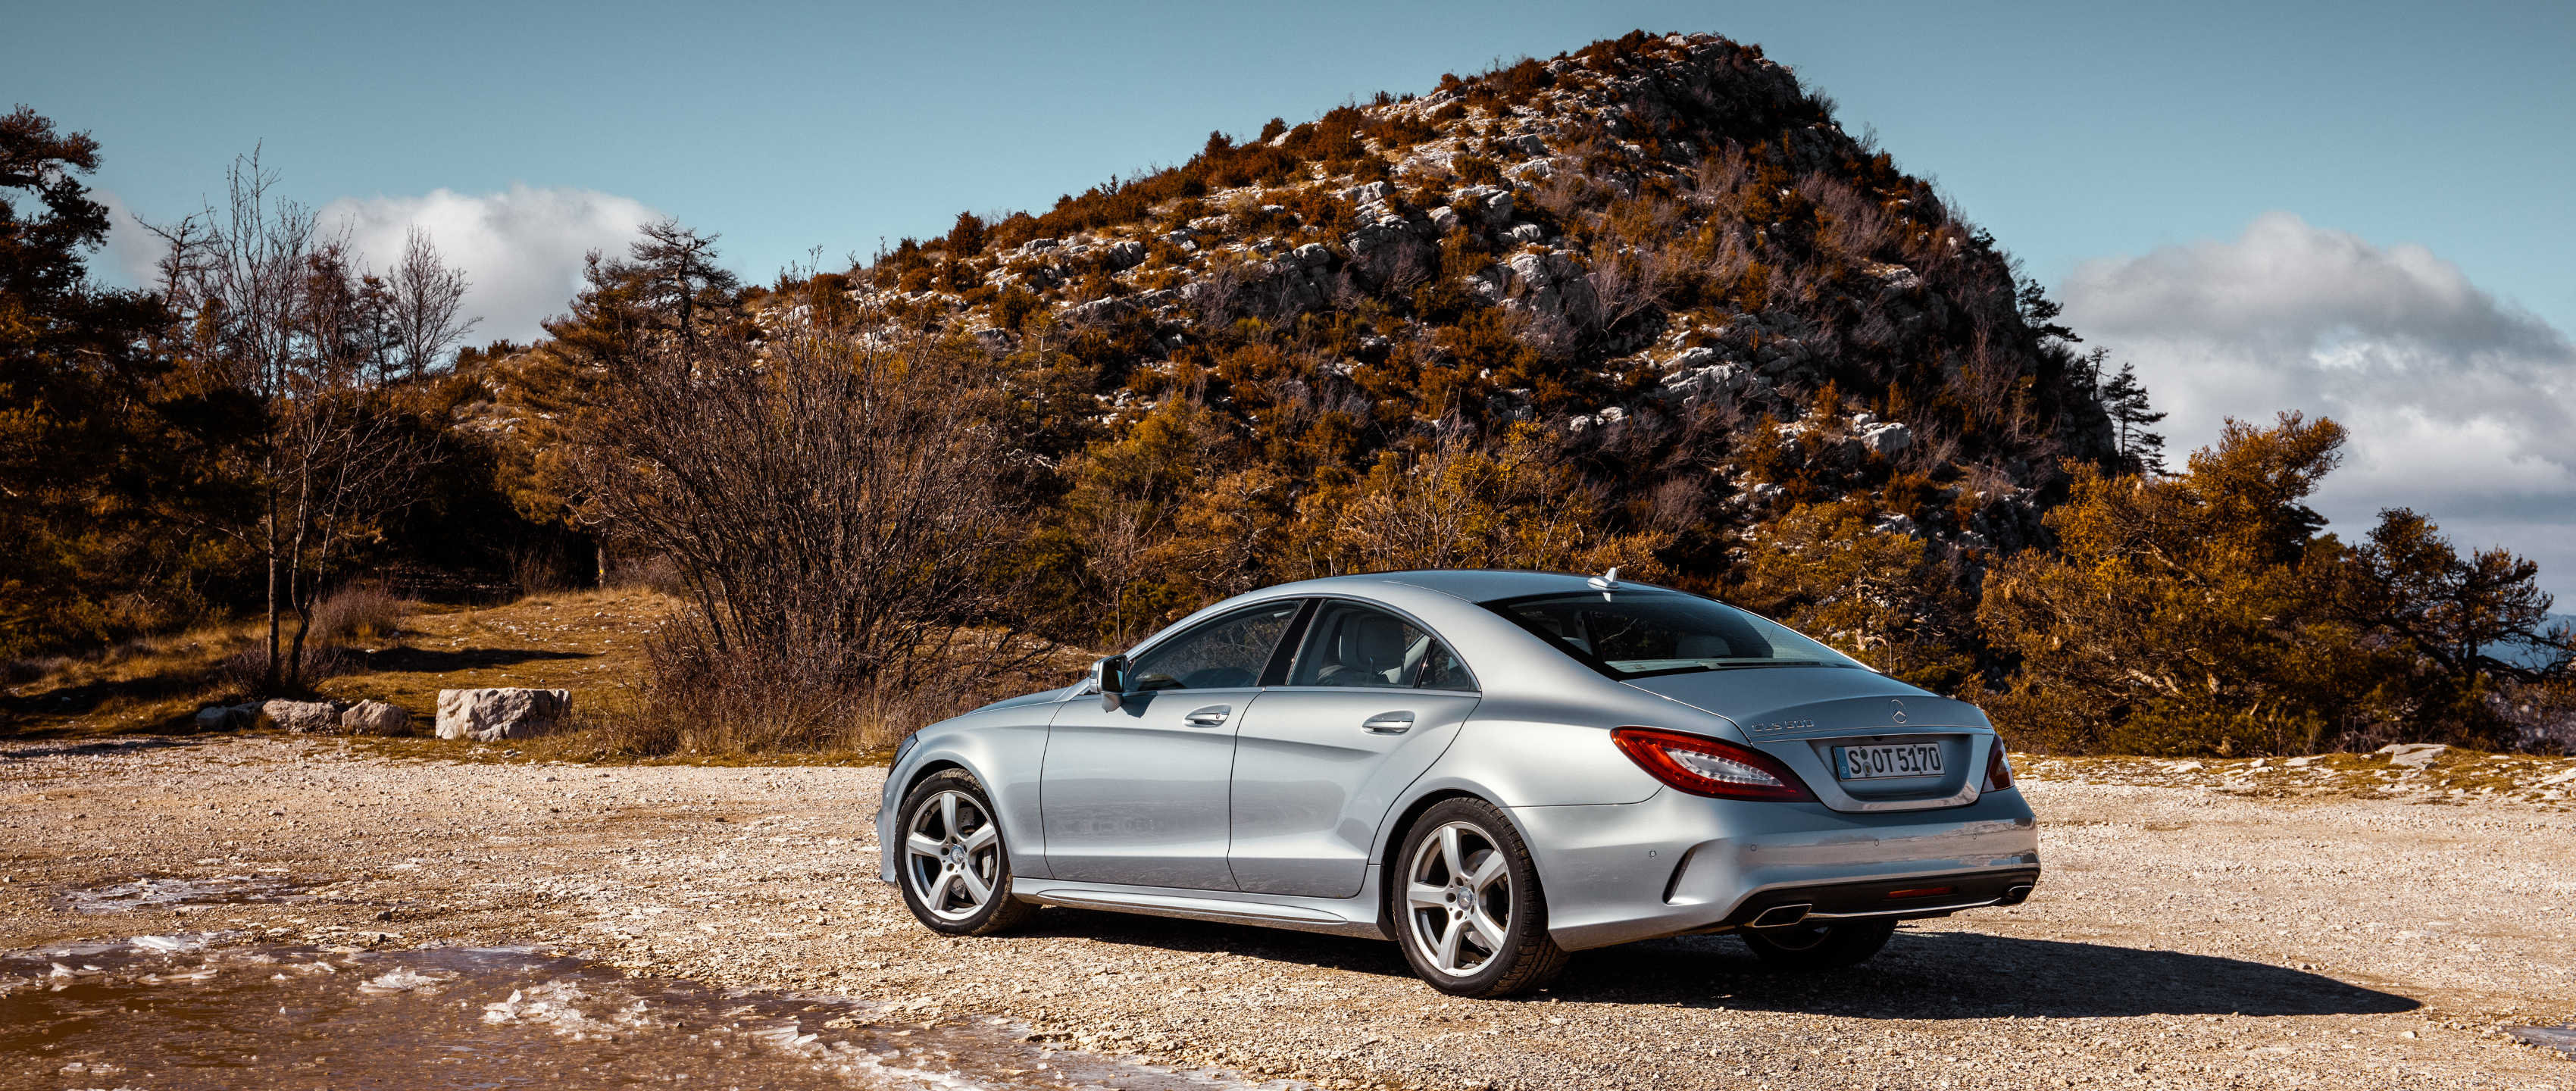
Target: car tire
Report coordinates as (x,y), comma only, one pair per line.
(960,851)
(1442,898)
(1819,946)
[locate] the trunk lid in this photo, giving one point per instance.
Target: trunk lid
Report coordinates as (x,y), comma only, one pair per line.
(1808,717)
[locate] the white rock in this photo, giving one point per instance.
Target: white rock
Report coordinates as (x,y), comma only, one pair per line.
(487,715)
(1367,192)
(2413,755)
(1693,358)
(375,718)
(1886,438)
(302,717)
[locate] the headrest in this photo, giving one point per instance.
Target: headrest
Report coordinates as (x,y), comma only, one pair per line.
(1372,642)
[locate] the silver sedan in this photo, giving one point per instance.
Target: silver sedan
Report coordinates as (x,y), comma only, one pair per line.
(1490,768)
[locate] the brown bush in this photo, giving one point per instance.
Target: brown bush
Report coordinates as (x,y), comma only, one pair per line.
(359,611)
(705,699)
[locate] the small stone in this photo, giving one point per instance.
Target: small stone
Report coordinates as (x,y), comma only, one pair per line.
(375,718)
(301,717)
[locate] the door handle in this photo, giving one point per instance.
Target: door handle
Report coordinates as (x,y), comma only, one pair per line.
(1389,723)
(1210,716)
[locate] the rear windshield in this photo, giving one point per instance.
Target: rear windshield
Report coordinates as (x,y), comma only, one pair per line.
(1632,634)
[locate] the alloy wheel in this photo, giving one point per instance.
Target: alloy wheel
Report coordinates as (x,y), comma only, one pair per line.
(952,854)
(1458,899)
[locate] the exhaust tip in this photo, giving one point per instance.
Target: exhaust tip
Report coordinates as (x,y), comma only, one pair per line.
(1780,916)
(2015,894)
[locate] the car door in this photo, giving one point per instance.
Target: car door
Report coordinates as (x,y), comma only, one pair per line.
(1137,795)
(1371,700)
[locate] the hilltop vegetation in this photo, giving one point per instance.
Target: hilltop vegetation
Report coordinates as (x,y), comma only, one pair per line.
(1645,304)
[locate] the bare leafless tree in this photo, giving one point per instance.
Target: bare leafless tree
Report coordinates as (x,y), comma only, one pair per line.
(285,317)
(425,303)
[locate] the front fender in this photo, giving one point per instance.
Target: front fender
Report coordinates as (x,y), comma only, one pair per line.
(1003,749)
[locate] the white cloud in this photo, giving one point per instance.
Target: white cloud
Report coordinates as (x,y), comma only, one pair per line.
(2459,405)
(521,249)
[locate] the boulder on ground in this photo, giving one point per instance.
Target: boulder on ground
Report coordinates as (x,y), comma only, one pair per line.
(375,718)
(489,715)
(302,717)
(227,717)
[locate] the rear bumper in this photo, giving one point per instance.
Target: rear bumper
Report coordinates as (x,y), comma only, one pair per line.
(1677,863)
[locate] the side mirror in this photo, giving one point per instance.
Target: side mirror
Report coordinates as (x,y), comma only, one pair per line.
(1109,676)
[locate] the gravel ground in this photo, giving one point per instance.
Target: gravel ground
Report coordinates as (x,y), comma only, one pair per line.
(2188,933)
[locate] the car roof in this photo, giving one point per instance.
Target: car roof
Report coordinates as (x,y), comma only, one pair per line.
(1474,584)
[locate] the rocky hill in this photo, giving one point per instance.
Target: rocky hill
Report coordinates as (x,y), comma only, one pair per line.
(1659,258)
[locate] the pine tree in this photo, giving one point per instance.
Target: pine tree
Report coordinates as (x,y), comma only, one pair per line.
(2125,399)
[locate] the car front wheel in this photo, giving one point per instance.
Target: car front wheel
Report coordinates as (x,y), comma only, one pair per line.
(1468,911)
(956,870)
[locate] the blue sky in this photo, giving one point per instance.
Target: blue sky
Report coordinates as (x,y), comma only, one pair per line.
(2407,167)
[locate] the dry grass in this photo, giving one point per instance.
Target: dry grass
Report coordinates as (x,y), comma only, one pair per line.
(2455,775)
(593,643)
(589,642)
(149,684)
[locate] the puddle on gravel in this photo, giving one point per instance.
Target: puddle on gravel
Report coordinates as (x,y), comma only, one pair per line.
(148,893)
(2562,1039)
(169,1013)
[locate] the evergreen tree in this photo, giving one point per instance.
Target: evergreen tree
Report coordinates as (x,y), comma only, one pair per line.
(79,400)
(2125,399)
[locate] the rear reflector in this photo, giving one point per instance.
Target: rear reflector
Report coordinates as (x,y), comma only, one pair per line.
(1921,892)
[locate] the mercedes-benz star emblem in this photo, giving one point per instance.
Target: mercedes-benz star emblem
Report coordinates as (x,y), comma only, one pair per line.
(1896,710)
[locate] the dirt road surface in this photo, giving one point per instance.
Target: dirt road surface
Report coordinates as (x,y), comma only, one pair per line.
(2188,934)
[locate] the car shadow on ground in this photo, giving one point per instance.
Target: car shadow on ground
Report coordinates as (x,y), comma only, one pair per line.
(1921,975)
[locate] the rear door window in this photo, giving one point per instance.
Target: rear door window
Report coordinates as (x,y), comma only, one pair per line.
(1353,646)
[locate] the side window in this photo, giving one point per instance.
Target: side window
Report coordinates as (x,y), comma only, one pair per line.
(1354,646)
(1227,653)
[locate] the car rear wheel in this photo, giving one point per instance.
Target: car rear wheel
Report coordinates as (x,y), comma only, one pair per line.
(1467,905)
(956,870)
(1819,946)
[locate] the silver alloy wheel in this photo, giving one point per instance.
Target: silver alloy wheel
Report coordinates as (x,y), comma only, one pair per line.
(952,852)
(1458,899)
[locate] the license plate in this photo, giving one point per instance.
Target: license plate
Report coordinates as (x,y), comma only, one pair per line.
(1905,759)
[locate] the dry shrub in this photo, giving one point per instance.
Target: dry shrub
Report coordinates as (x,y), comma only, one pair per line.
(701,699)
(359,611)
(245,671)
(653,573)
(832,496)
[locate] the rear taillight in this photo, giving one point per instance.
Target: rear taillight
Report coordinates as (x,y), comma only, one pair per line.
(1704,766)
(1998,770)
